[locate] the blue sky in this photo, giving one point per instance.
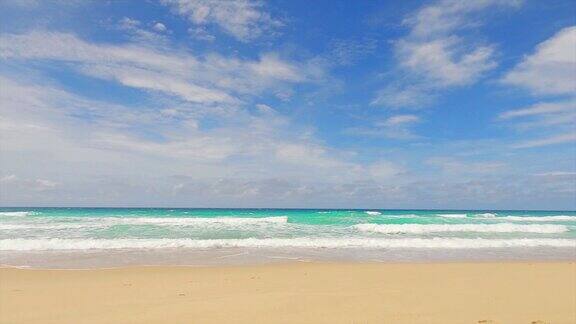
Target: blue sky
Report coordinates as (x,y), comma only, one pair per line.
(348,104)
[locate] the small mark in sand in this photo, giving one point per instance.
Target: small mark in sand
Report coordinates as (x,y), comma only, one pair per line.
(181,294)
(539,322)
(487,322)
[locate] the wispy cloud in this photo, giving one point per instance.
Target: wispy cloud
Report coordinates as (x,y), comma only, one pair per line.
(540,109)
(209,79)
(401,120)
(442,61)
(45,120)
(116,104)
(556,139)
(159,27)
(559,115)
(397,96)
(457,167)
(348,52)
(550,70)
(394,127)
(435,56)
(243,19)
(139,32)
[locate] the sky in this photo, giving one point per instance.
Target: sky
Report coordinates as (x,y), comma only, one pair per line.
(292,104)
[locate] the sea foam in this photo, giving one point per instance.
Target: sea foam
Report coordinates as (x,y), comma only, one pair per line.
(7,227)
(193,220)
(486,215)
(432,243)
(183,221)
(452,215)
(17,214)
(103,222)
(484,228)
(558,218)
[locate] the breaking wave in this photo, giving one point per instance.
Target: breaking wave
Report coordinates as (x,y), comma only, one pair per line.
(432,243)
(452,215)
(558,218)
(484,228)
(7,227)
(486,215)
(185,221)
(17,214)
(92,222)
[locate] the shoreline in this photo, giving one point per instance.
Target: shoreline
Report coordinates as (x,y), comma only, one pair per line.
(287,262)
(97,259)
(295,292)
(293,263)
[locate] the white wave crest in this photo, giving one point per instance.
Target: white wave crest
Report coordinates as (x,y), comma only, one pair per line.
(373,212)
(193,221)
(16,214)
(103,222)
(12,227)
(486,215)
(484,228)
(434,243)
(452,215)
(558,218)
(42,226)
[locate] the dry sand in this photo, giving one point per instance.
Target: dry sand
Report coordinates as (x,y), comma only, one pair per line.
(504,293)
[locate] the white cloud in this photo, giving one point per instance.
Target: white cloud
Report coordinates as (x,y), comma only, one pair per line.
(348,52)
(209,79)
(158,81)
(259,159)
(44,120)
(129,23)
(556,139)
(34,185)
(557,116)
(400,97)
(139,33)
(270,66)
(36,4)
(551,69)
(243,19)
(401,120)
(434,56)
(446,16)
(384,170)
(265,109)
(556,174)
(395,127)
(159,27)
(440,60)
(543,108)
(453,166)
(191,145)
(201,33)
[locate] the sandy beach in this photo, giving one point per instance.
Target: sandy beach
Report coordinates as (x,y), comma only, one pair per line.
(294,293)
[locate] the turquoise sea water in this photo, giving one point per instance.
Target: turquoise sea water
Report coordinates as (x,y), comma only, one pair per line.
(61,229)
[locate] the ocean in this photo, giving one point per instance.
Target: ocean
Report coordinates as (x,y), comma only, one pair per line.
(98,237)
